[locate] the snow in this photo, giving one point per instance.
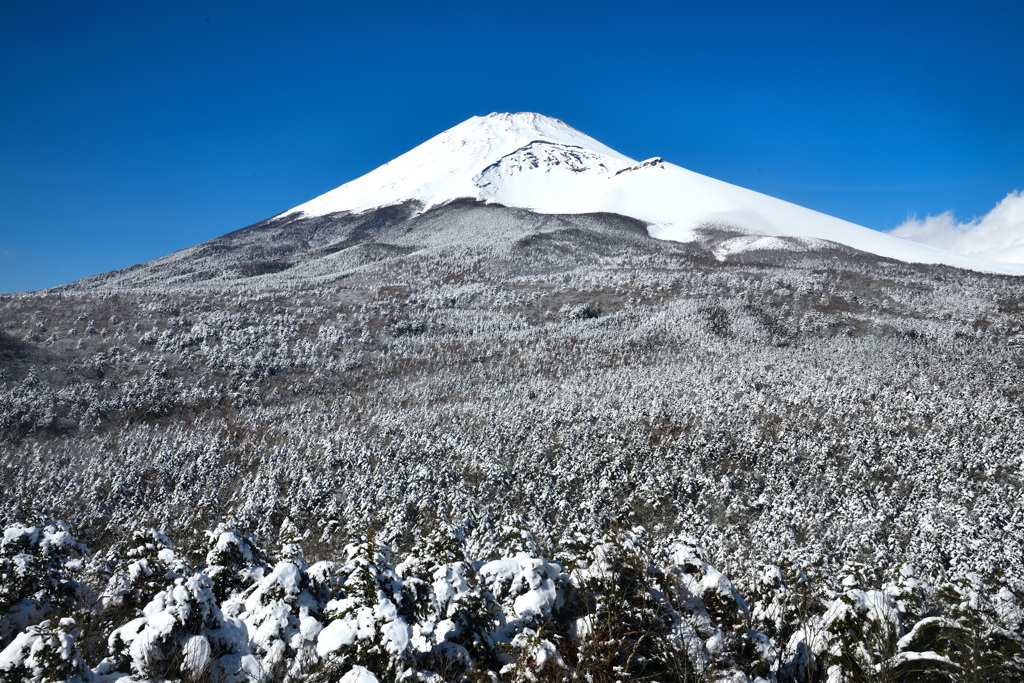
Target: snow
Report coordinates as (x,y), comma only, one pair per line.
(496,570)
(715,582)
(531,161)
(274,621)
(907,641)
(310,628)
(286,579)
(527,579)
(537,649)
(16,532)
(155,629)
(44,650)
(227,539)
(336,635)
(443,628)
(13,655)
(901,658)
(397,635)
(385,610)
(444,167)
(878,606)
(359,674)
(196,654)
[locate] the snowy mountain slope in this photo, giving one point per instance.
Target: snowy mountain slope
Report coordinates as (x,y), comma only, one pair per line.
(446,166)
(296,252)
(531,161)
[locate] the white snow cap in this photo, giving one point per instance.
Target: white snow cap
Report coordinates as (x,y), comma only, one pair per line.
(447,166)
(535,162)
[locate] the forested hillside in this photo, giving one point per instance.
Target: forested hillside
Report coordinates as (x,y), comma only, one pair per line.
(388,442)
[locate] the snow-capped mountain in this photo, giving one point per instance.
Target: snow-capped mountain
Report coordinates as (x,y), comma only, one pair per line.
(534,162)
(477,357)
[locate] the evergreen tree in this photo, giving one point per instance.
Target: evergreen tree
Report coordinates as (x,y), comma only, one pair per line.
(364,627)
(975,637)
(456,620)
(235,560)
(625,631)
(45,653)
(39,569)
(183,634)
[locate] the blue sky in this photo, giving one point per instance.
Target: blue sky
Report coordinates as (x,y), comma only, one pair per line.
(130,130)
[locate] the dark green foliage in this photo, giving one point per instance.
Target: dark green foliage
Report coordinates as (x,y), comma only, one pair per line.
(232,560)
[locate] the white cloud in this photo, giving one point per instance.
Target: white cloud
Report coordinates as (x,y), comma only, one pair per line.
(997,236)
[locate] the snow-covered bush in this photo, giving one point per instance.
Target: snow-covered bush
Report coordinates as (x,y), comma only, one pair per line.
(528,588)
(456,620)
(38,575)
(149,566)
(44,653)
(235,560)
(711,616)
(183,633)
(283,618)
(365,626)
(861,629)
(976,635)
(624,624)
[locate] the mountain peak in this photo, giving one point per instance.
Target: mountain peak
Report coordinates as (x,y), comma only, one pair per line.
(520,118)
(531,161)
(524,120)
(447,166)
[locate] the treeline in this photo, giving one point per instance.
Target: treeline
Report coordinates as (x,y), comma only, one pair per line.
(613,604)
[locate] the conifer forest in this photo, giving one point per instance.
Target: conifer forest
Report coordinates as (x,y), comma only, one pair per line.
(481,444)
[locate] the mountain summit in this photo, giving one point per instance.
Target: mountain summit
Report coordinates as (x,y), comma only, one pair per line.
(531,161)
(481,158)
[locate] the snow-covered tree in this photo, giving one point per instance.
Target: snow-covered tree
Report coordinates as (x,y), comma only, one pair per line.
(148,566)
(365,626)
(182,633)
(235,561)
(44,653)
(38,575)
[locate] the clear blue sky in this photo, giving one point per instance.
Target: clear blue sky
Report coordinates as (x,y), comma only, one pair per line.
(133,129)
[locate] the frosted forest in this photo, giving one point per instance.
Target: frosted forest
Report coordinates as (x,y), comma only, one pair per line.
(382,448)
